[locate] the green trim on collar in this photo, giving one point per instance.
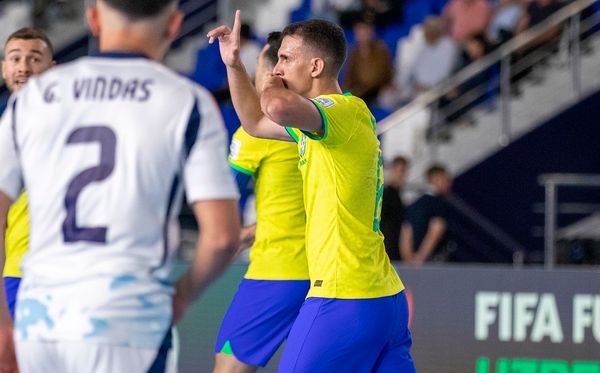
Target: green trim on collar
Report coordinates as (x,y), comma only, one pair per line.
(292,134)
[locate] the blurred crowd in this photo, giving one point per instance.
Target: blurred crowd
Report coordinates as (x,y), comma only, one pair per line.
(401,48)
(39,12)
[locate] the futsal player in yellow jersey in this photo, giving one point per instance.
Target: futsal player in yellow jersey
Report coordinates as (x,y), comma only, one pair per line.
(27,52)
(355,318)
(269,298)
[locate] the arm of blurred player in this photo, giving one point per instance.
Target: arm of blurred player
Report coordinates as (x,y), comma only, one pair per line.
(8,361)
(218,242)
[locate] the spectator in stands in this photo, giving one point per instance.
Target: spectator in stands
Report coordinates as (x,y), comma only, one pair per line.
(436,59)
(474,91)
(369,67)
(536,12)
(504,21)
(392,207)
(332,9)
(467,17)
(65,9)
(380,13)
(13,16)
(249,50)
(425,236)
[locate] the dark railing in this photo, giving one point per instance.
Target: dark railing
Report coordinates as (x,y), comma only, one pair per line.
(551,183)
(570,14)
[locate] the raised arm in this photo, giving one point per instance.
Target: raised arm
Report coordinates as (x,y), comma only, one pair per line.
(286,108)
(243,94)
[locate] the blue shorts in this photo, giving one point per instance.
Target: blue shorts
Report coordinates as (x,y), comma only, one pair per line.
(11,287)
(259,318)
(350,335)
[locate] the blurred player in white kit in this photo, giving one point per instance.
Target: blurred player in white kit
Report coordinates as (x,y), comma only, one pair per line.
(105,147)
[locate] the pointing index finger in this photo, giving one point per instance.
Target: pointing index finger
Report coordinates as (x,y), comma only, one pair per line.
(237,23)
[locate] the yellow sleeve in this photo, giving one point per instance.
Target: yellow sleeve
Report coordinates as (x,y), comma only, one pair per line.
(17,236)
(246,152)
(339,120)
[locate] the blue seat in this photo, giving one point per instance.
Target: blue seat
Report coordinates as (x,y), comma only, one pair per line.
(437,6)
(232,122)
(379,113)
(303,12)
(209,71)
(392,34)
(415,12)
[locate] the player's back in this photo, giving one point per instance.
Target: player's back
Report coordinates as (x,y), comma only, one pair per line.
(103,144)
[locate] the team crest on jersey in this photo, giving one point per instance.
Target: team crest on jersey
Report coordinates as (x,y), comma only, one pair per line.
(234,148)
(302,145)
(326,102)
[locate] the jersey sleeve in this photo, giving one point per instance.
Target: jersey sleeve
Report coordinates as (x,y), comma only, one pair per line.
(11,180)
(294,133)
(246,152)
(339,120)
(206,172)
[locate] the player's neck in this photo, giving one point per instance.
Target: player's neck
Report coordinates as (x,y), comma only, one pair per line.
(324,87)
(131,42)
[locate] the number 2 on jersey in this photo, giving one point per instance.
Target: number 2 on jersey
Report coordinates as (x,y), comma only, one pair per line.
(107,140)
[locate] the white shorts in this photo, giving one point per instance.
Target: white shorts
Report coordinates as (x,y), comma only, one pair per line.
(72,357)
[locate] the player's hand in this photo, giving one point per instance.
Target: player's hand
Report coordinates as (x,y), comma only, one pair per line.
(8,359)
(247,236)
(273,81)
(229,42)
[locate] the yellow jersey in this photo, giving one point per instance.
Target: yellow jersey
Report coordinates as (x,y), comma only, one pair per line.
(279,251)
(342,173)
(17,236)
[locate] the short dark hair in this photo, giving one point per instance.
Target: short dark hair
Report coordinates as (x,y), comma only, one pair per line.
(399,160)
(274,41)
(31,33)
(136,9)
(325,37)
(246,31)
(435,169)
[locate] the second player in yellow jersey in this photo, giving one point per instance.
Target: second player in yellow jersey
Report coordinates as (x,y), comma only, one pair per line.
(274,288)
(278,251)
(17,236)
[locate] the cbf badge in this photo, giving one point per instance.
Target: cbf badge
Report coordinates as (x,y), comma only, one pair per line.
(325,101)
(302,145)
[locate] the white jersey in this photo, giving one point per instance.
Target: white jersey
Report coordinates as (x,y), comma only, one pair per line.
(103,146)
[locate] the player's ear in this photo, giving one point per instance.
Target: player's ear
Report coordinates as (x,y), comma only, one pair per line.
(93,19)
(174,24)
(317,67)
